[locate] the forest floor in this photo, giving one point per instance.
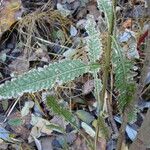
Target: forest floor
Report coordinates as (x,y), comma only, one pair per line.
(40,32)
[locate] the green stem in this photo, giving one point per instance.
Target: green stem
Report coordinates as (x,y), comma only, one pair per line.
(107,67)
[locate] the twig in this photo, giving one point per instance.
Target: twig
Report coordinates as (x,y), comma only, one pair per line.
(47,42)
(10,111)
(122,130)
(111,119)
(109,107)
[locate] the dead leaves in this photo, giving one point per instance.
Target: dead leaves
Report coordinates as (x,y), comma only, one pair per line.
(8,13)
(127,23)
(88,86)
(19,123)
(82,106)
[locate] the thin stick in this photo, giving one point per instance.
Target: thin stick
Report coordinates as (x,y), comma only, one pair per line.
(111,119)
(10,111)
(47,42)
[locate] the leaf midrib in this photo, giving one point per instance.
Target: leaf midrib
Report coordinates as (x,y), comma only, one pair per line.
(57,76)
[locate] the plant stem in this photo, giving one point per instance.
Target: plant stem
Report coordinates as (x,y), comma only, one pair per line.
(107,67)
(111,119)
(108,53)
(122,130)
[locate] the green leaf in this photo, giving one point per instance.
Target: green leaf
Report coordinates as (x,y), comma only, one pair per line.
(15,122)
(124,82)
(132,115)
(85,116)
(94,45)
(43,78)
(88,129)
(55,127)
(106,7)
(57,109)
(67,115)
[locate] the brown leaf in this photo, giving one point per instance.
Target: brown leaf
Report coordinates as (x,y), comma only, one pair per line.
(21,130)
(80,144)
(101,144)
(124,146)
(88,86)
(46,143)
(92,8)
(7,15)
(58,121)
(127,23)
(19,66)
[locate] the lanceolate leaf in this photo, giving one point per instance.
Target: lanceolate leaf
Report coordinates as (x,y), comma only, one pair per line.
(106,7)
(67,115)
(57,109)
(124,82)
(43,78)
(85,116)
(94,45)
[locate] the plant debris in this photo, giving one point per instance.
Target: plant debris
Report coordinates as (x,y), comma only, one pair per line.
(34,34)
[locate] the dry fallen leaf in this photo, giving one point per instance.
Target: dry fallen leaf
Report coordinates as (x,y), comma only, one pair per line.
(8,12)
(101,144)
(26,109)
(59,121)
(20,64)
(80,144)
(124,146)
(41,124)
(127,23)
(88,129)
(88,86)
(46,143)
(21,129)
(92,8)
